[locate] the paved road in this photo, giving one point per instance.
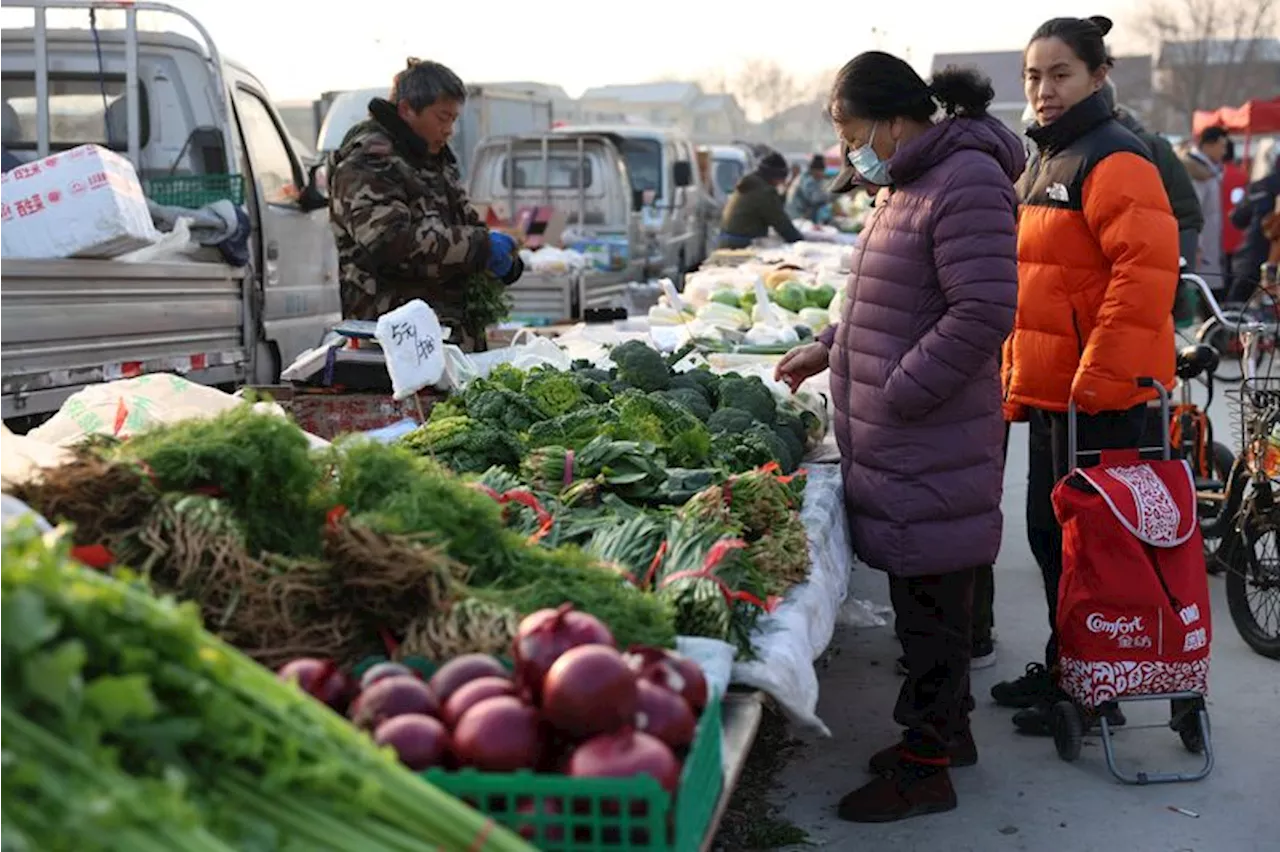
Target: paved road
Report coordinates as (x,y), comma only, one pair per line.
(1020,796)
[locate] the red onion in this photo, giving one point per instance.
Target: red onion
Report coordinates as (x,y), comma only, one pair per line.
(546,634)
(470,694)
(498,735)
(589,690)
(463,670)
(672,671)
(381,671)
(391,697)
(625,754)
(665,715)
(419,741)
(321,679)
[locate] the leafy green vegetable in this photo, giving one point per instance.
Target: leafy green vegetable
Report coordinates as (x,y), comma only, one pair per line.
(750,395)
(690,399)
(486,303)
(641,366)
(507,376)
(652,418)
(464,444)
(731,421)
(553,392)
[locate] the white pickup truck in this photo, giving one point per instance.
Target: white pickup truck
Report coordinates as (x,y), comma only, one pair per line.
(196,127)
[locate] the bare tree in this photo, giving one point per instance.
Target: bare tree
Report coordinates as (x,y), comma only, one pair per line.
(1209,52)
(765,88)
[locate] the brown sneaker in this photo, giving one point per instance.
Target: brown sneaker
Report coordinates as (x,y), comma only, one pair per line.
(963,751)
(910,790)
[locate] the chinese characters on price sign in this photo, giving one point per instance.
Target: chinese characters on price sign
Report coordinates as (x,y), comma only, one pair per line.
(411,340)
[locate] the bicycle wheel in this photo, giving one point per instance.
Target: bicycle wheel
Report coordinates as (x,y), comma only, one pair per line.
(1253,585)
(1228,344)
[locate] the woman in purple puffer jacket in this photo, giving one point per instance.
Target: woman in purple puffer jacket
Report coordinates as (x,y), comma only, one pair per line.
(914,378)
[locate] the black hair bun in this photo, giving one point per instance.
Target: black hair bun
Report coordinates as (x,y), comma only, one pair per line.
(1102,22)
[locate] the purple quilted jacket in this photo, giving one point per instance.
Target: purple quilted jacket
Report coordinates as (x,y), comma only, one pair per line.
(914,360)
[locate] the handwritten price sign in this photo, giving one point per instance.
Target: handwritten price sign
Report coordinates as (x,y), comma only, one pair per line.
(412,340)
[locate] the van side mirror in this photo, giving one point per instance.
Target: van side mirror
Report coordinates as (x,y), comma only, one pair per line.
(315,195)
(682,173)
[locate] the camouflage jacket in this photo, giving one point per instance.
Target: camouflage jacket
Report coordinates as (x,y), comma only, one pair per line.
(402,222)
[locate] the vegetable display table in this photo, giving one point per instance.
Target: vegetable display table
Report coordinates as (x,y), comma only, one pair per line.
(740,714)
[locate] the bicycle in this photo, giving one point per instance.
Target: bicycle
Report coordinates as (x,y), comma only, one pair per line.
(1250,506)
(1218,330)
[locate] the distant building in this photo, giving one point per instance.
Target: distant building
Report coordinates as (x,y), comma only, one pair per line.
(705,117)
(803,128)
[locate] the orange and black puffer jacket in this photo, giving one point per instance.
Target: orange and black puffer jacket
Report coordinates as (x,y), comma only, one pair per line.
(1097,270)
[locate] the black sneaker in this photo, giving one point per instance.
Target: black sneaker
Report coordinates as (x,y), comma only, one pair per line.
(1033,687)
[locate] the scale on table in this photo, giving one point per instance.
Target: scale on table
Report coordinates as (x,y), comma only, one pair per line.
(351,357)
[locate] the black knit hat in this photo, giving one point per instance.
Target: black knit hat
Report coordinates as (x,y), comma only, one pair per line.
(818,163)
(773,167)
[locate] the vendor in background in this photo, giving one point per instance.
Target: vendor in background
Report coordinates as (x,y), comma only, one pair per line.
(915,385)
(401,218)
(1235,180)
(1204,164)
(1252,216)
(756,205)
(808,197)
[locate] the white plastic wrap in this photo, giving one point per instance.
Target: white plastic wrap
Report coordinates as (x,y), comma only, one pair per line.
(788,640)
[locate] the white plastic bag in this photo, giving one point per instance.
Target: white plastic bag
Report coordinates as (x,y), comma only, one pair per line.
(527,350)
(713,656)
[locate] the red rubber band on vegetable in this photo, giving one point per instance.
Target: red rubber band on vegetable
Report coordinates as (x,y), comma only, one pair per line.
(655,563)
(482,836)
(484,489)
(707,572)
(334,516)
(568,468)
(94,555)
(389,642)
(122,414)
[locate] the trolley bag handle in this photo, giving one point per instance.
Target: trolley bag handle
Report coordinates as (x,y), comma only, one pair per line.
(1073,448)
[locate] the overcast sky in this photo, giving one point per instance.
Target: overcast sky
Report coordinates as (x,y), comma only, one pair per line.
(299,49)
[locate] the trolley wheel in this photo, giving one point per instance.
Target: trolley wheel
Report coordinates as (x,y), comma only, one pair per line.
(1188,724)
(1068,730)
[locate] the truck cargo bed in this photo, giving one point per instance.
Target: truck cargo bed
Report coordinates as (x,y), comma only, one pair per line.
(69,323)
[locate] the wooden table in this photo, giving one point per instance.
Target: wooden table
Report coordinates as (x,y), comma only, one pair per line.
(740,718)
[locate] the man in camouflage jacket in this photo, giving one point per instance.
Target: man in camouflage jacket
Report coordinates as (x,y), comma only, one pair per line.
(403,225)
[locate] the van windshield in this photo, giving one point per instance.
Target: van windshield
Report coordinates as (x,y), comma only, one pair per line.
(644,163)
(727,175)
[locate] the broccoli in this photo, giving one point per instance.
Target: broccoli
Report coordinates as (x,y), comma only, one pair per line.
(553,392)
(507,376)
(789,423)
(575,429)
(465,445)
(731,421)
(596,390)
(641,366)
(751,396)
(703,381)
(691,399)
(752,448)
(657,420)
(794,447)
(504,409)
(592,373)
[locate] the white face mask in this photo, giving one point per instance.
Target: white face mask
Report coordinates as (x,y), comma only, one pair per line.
(868,162)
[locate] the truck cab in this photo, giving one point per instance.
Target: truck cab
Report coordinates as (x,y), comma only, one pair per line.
(666,191)
(180,113)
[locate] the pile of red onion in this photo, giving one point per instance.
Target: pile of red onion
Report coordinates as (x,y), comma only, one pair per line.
(575,704)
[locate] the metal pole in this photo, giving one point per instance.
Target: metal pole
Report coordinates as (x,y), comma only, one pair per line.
(132,91)
(546,171)
(582,183)
(511,178)
(42,84)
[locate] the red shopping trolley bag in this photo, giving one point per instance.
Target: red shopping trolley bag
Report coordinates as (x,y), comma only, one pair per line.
(1133,601)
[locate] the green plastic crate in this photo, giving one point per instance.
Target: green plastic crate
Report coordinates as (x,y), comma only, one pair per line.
(192,191)
(584,815)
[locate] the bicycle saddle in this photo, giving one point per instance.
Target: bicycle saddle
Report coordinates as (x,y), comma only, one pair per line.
(1194,360)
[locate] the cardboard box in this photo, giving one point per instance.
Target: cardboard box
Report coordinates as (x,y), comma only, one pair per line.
(86,202)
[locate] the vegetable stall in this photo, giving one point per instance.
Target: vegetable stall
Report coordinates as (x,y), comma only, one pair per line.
(536,600)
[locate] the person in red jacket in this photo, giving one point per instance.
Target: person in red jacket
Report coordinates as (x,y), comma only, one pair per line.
(1234,176)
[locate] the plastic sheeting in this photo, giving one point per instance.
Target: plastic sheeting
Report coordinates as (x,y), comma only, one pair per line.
(789,640)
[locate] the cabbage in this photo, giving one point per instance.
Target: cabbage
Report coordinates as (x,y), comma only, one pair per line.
(815,318)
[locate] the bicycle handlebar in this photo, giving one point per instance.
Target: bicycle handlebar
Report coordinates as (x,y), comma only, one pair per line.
(1241,326)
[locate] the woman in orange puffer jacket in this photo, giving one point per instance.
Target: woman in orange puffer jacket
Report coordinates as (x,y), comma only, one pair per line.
(1097,271)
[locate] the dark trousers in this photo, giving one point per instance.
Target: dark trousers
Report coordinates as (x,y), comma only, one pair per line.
(934,620)
(984,589)
(1047,463)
